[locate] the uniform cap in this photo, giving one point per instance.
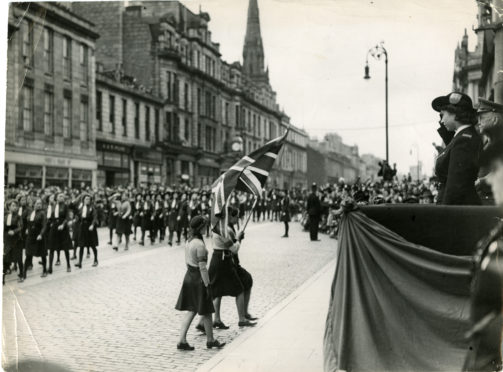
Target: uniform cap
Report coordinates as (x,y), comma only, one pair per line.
(454,99)
(489,106)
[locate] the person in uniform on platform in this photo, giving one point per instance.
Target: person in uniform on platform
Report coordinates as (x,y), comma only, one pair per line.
(457,166)
(12,243)
(124,220)
(490,127)
(195,295)
(35,231)
(285,212)
(87,236)
(59,234)
(227,277)
(313,208)
(484,353)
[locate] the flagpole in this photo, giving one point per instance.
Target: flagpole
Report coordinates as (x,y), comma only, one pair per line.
(251,212)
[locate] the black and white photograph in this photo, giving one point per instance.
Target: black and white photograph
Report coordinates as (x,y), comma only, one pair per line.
(252,185)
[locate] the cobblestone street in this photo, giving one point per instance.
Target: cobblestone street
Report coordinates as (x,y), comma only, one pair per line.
(121,316)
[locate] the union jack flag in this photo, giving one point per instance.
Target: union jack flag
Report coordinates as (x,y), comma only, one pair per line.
(249,174)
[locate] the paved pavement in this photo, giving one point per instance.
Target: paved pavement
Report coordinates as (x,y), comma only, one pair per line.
(120,315)
(289,338)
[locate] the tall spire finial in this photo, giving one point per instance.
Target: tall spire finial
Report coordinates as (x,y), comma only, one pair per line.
(253,51)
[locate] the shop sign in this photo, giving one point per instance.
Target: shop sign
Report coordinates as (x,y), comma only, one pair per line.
(106,146)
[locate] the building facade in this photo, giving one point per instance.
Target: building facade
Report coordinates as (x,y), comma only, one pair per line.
(207,104)
(49,136)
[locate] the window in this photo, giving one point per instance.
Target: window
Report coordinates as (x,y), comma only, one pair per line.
(176,92)
(137,120)
(99,108)
(186,96)
(226,113)
(156,125)
(84,63)
(199,135)
(48,50)
(214,107)
(198,101)
(84,119)
(27,28)
(170,94)
(237,117)
(186,131)
(147,123)
(207,104)
(27,108)
(48,113)
(112,113)
(67,58)
(169,132)
(124,117)
(176,130)
(67,116)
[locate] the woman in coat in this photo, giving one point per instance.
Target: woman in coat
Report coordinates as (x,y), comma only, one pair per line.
(35,231)
(195,295)
(124,221)
(87,236)
(457,166)
(12,241)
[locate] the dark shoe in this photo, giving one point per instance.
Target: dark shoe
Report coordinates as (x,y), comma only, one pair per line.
(184,346)
(95,263)
(215,343)
(284,236)
(79,265)
(68,269)
(220,325)
(126,248)
(74,258)
(316,240)
(200,328)
(58,263)
(250,317)
(115,248)
(170,244)
(44,274)
(246,323)
(141,243)
(50,270)
(30,267)
(109,243)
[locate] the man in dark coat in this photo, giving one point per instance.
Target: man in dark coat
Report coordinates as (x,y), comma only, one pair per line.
(314,211)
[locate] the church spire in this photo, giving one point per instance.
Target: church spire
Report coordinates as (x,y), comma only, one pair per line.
(253,51)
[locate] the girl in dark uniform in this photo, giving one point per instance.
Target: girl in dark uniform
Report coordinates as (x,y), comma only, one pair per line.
(146,219)
(137,218)
(227,277)
(123,222)
(35,231)
(285,212)
(112,217)
(87,236)
(183,219)
(58,234)
(23,211)
(173,217)
(195,294)
(13,249)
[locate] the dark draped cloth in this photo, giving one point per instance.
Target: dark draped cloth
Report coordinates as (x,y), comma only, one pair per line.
(395,305)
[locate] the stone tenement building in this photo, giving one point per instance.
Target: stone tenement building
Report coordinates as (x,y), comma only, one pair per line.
(210,112)
(49,133)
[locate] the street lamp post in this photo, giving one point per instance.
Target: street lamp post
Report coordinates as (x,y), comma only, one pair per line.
(377,52)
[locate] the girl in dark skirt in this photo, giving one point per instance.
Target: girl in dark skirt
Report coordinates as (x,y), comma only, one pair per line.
(227,277)
(87,236)
(12,243)
(195,294)
(35,232)
(285,212)
(123,222)
(137,218)
(58,233)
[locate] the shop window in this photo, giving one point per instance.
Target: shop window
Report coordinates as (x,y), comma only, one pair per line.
(56,176)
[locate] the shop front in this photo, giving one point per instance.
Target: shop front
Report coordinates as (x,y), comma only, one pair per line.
(43,170)
(208,171)
(114,164)
(147,166)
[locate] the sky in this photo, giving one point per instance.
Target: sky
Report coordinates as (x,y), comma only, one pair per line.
(316,51)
